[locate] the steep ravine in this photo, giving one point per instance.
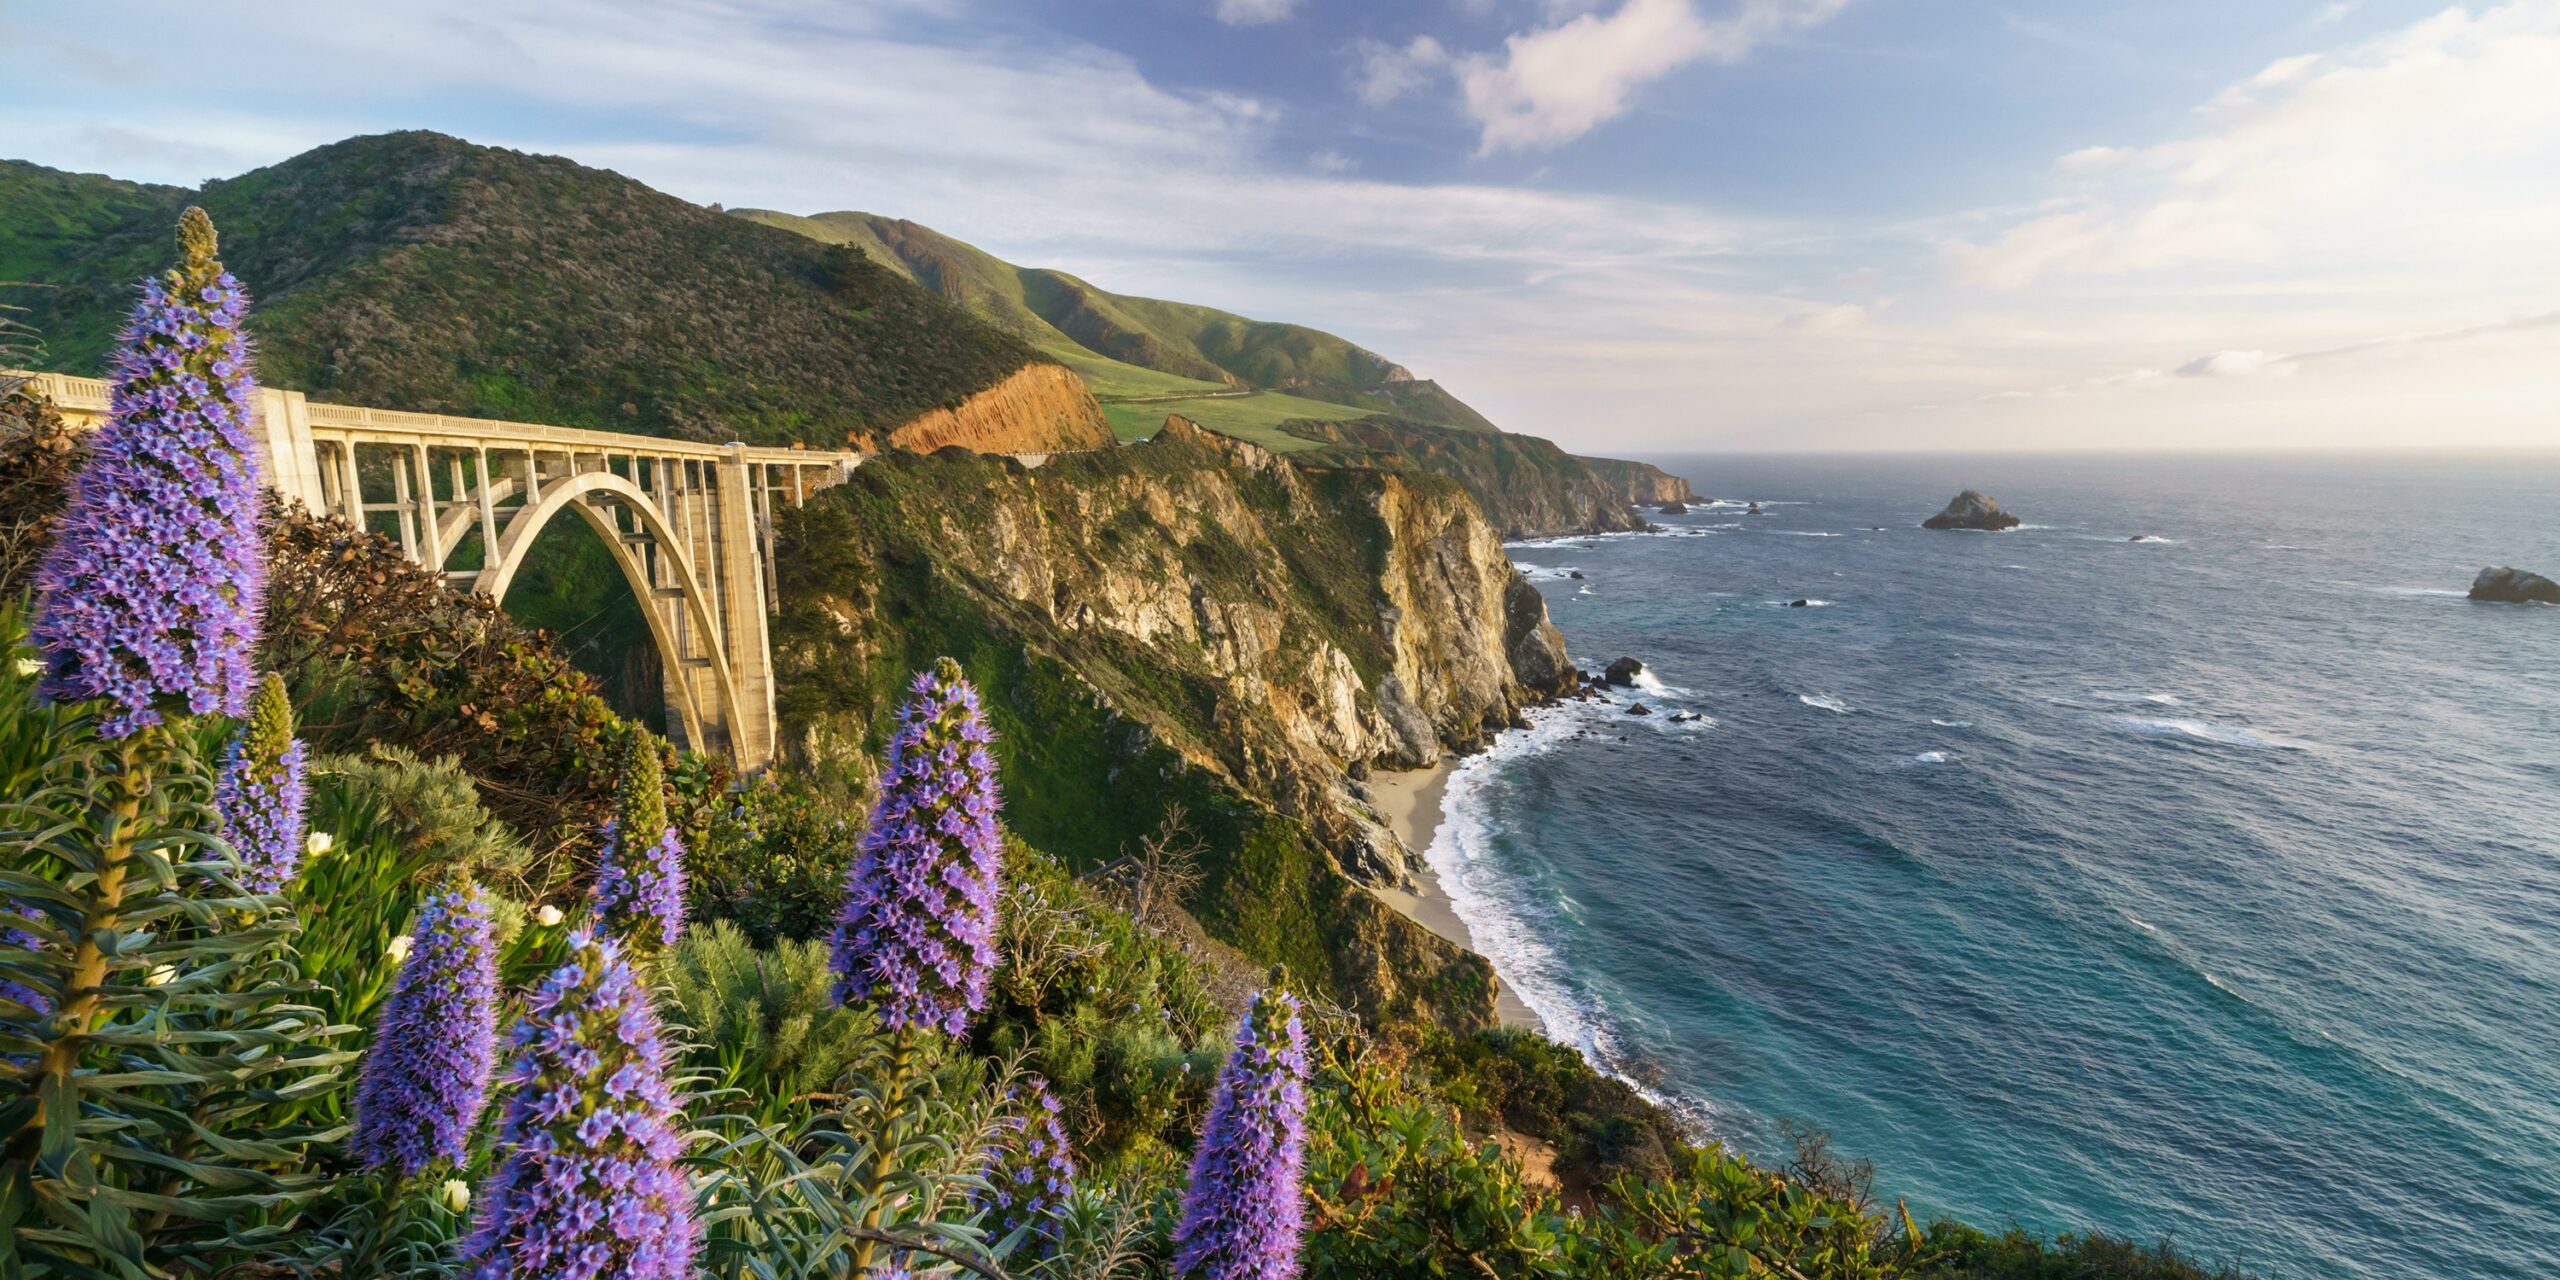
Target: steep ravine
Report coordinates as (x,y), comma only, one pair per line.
(1192,624)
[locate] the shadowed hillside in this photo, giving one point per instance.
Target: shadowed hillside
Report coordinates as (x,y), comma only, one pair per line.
(418,271)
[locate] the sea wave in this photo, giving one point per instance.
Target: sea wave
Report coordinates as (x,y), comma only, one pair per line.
(1930,757)
(2157,699)
(1824,701)
(2205,731)
(1953,724)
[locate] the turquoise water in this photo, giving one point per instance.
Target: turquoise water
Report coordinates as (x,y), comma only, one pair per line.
(2205,887)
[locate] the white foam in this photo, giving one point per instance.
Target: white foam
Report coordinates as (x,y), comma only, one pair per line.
(2205,731)
(2140,923)
(1809,603)
(1824,701)
(1930,757)
(1799,533)
(2156,699)
(1953,724)
(1548,572)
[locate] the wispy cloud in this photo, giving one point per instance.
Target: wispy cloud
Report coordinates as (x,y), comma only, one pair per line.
(1248,13)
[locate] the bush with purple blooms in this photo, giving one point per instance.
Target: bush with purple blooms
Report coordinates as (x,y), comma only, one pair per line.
(260,796)
(639,889)
(1030,1170)
(1246,1209)
(918,935)
(588,1184)
(427,1075)
(150,596)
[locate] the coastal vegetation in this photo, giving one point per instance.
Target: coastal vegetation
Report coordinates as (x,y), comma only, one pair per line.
(352,933)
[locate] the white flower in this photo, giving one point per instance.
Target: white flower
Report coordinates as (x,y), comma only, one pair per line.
(456,1194)
(30,666)
(549,917)
(162,976)
(317,843)
(399,949)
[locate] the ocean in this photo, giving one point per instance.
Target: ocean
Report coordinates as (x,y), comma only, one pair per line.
(2203,888)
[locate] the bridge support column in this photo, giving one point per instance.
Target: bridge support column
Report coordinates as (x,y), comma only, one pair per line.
(292,461)
(752,729)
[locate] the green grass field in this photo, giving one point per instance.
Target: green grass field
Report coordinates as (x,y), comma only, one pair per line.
(1256,417)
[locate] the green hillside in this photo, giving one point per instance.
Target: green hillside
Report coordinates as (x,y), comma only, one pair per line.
(1145,349)
(418,270)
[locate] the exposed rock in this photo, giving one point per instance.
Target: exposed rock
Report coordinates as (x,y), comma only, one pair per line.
(1674,508)
(1040,409)
(1527,486)
(2514,586)
(1640,484)
(1639,709)
(1624,671)
(1972,509)
(1800,604)
(1755,510)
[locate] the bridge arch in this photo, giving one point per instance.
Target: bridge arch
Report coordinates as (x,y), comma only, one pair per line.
(656,567)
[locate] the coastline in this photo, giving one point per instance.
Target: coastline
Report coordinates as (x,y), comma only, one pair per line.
(1411,802)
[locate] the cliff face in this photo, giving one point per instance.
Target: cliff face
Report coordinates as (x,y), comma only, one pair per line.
(1194,625)
(1528,487)
(1640,482)
(1038,409)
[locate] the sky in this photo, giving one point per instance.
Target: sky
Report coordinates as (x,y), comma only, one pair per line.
(1645,225)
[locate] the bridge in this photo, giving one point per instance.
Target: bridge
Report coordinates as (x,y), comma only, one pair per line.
(690,525)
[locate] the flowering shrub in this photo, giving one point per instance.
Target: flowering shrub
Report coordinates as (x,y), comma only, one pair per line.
(260,796)
(640,882)
(1030,1170)
(150,594)
(427,1076)
(918,933)
(588,1184)
(1246,1209)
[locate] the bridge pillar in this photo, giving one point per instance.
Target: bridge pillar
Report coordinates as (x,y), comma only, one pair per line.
(292,461)
(743,606)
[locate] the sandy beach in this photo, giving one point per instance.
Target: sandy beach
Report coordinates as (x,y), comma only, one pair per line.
(1410,801)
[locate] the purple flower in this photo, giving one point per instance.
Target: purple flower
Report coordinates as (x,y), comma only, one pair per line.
(1246,1209)
(1029,1170)
(149,596)
(16,938)
(259,794)
(639,892)
(589,1188)
(427,1075)
(918,934)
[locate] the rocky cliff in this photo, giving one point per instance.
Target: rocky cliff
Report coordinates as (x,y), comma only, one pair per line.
(1198,626)
(1038,408)
(1640,483)
(1527,486)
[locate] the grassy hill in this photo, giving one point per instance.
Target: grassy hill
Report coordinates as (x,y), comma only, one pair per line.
(1171,357)
(421,271)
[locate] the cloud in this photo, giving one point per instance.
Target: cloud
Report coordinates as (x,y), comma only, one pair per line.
(1555,84)
(1382,73)
(2436,146)
(1330,161)
(1250,13)
(2233,364)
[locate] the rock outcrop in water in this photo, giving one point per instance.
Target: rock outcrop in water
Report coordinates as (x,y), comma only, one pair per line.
(1972,509)
(2514,586)
(1623,672)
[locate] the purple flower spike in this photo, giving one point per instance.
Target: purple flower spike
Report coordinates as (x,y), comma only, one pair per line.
(1030,1171)
(918,933)
(1246,1209)
(427,1076)
(589,1188)
(259,794)
(149,597)
(640,891)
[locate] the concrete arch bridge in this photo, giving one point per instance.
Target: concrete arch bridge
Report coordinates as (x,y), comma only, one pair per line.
(690,525)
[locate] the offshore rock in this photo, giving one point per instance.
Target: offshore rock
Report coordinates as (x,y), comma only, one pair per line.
(1972,509)
(2514,586)
(1623,672)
